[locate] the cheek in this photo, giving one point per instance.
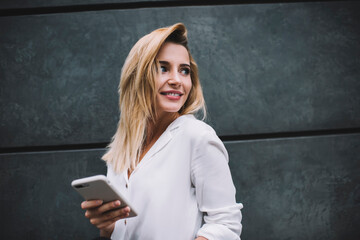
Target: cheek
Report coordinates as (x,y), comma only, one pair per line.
(159,82)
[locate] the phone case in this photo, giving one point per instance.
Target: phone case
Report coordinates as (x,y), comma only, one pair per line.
(99,187)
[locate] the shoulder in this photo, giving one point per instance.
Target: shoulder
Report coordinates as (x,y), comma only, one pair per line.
(194,128)
(197,133)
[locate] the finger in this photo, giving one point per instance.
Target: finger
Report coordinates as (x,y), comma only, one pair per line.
(109,206)
(108,216)
(104,225)
(91,204)
(122,213)
(92,213)
(101,211)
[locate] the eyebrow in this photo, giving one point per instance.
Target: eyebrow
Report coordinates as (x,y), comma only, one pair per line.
(182,64)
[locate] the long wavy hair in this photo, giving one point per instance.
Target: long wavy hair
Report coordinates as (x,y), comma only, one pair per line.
(137,100)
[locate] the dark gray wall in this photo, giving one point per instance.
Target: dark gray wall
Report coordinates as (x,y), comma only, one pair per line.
(20,4)
(281,82)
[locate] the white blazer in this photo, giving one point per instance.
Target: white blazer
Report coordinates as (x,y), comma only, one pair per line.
(181,189)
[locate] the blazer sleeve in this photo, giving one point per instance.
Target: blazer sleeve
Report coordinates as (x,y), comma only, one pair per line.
(215,191)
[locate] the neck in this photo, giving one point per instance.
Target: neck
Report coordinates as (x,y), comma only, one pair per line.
(154,131)
(157,127)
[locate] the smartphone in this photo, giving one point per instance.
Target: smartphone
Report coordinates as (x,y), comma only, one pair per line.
(99,188)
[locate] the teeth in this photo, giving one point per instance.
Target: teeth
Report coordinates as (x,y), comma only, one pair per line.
(173,94)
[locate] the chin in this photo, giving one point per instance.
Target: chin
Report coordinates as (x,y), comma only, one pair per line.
(170,109)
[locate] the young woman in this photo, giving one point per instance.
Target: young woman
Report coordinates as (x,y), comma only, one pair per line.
(172,167)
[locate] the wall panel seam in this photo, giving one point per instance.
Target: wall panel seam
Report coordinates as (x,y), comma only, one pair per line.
(225,139)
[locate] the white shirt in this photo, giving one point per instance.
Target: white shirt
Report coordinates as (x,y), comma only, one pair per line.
(181,189)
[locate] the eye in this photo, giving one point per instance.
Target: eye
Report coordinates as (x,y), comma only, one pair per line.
(163,69)
(185,71)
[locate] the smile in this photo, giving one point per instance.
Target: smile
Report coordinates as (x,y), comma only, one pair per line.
(172,94)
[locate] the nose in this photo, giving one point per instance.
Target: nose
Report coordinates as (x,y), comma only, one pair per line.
(174,78)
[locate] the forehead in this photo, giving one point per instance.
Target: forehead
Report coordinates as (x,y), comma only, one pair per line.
(173,52)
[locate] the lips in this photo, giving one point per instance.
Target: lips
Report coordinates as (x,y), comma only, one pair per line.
(172,95)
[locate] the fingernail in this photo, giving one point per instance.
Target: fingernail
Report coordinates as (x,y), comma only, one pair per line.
(99,202)
(117,203)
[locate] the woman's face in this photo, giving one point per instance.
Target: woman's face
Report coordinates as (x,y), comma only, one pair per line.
(173,82)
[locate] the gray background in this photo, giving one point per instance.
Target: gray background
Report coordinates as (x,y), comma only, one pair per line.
(281,81)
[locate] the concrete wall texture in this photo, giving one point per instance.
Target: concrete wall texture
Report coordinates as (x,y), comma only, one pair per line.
(281,81)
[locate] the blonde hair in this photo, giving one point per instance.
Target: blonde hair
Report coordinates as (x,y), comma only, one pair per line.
(137,96)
